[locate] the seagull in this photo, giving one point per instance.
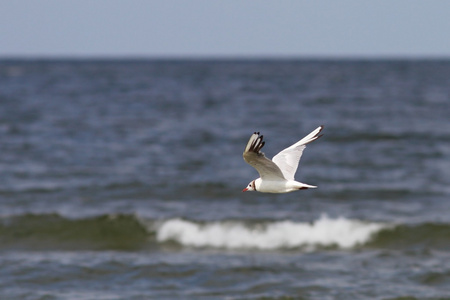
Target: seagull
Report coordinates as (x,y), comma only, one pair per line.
(277,175)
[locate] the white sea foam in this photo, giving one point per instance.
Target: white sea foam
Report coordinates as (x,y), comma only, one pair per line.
(340,232)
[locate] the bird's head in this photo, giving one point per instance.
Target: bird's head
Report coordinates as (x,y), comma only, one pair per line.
(250,187)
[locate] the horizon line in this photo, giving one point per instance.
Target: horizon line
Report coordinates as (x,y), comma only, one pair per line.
(134,57)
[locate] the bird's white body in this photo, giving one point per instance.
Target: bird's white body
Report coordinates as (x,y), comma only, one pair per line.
(275,186)
(277,175)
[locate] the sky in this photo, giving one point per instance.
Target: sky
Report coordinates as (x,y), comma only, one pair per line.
(227,28)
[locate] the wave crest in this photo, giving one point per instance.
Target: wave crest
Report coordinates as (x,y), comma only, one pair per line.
(324,232)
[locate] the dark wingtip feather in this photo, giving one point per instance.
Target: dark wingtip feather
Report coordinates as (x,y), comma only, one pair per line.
(257,144)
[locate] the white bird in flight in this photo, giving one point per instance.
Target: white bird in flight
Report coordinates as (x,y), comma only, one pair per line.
(277,175)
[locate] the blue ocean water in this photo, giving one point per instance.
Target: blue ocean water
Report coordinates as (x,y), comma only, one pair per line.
(122,179)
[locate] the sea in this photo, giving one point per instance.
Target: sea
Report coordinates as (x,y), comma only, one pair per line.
(123,178)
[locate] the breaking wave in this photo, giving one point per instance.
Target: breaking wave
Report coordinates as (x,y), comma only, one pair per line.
(324,232)
(130,232)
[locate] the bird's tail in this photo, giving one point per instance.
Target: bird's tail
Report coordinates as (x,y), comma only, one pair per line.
(304,186)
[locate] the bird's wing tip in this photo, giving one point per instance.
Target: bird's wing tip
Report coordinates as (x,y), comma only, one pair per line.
(255,143)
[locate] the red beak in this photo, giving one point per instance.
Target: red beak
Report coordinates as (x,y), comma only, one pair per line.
(244,190)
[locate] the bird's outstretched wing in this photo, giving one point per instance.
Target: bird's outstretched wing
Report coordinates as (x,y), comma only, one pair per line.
(266,168)
(287,160)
